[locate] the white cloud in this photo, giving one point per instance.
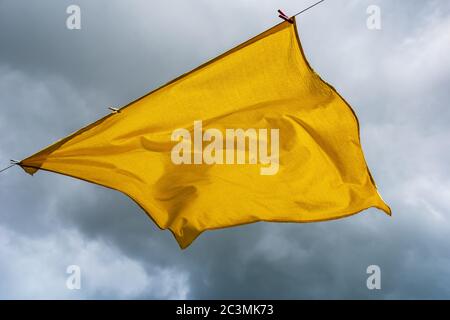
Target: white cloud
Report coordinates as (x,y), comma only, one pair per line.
(36,267)
(421,61)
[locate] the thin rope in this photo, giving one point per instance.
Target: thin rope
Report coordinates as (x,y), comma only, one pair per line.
(306,9)
(11,165)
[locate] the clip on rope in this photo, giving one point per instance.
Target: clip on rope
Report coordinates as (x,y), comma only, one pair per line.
(114,110)
(283,16)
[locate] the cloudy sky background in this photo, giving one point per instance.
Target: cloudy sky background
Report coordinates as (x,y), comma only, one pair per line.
(54,81)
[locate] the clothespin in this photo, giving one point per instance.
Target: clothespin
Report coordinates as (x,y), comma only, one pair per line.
(114,110)
(284,16)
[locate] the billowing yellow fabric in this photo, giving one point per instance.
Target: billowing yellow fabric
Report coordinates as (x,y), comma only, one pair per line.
(263,84)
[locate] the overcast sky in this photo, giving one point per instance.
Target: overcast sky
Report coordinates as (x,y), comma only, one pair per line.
(54,81)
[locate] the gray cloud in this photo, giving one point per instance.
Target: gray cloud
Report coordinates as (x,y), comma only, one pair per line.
(53,81)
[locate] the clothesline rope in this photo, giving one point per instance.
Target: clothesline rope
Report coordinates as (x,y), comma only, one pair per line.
(306,9)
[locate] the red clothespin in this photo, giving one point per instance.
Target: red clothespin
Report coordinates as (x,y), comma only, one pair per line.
(284,16)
